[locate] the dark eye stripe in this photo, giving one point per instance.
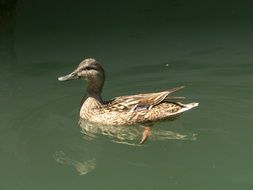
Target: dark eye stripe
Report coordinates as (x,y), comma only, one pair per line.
(90,68)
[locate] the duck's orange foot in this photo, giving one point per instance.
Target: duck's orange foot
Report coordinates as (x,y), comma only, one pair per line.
(146,133)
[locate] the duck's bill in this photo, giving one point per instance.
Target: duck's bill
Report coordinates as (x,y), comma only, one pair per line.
(70,76)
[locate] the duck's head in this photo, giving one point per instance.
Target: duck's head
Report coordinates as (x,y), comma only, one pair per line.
(90,70)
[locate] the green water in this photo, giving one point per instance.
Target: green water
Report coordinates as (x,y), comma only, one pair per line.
(144,47)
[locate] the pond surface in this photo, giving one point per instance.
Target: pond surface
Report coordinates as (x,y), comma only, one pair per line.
(210,147)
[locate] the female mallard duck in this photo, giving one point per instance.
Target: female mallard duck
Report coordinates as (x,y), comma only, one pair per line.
(142,109)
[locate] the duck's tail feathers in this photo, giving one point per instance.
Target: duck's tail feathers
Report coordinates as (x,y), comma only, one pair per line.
(174,98)
(186,107)
(175,89)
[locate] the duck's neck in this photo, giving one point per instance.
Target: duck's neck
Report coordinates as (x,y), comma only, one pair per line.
(93,98)
(94,89)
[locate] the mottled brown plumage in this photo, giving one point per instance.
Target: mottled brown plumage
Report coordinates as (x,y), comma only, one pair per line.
(143,109)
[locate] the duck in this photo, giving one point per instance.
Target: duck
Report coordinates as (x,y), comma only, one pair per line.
(140,109)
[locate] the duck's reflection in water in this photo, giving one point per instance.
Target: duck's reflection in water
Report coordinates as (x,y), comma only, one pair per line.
(131,135)
(84,159)
(83,167)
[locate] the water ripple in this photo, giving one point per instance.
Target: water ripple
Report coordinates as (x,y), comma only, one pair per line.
(130,135)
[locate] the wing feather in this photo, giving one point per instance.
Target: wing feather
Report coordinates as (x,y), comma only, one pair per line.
(142,101)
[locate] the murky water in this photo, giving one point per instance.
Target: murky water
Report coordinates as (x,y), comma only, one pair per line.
(147,47)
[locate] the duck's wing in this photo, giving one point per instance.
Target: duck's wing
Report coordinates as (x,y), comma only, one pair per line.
(142,101)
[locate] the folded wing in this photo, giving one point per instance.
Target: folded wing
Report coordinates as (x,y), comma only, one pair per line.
(142,101)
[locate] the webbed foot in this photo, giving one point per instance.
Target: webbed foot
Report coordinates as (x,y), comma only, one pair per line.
(145,135)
